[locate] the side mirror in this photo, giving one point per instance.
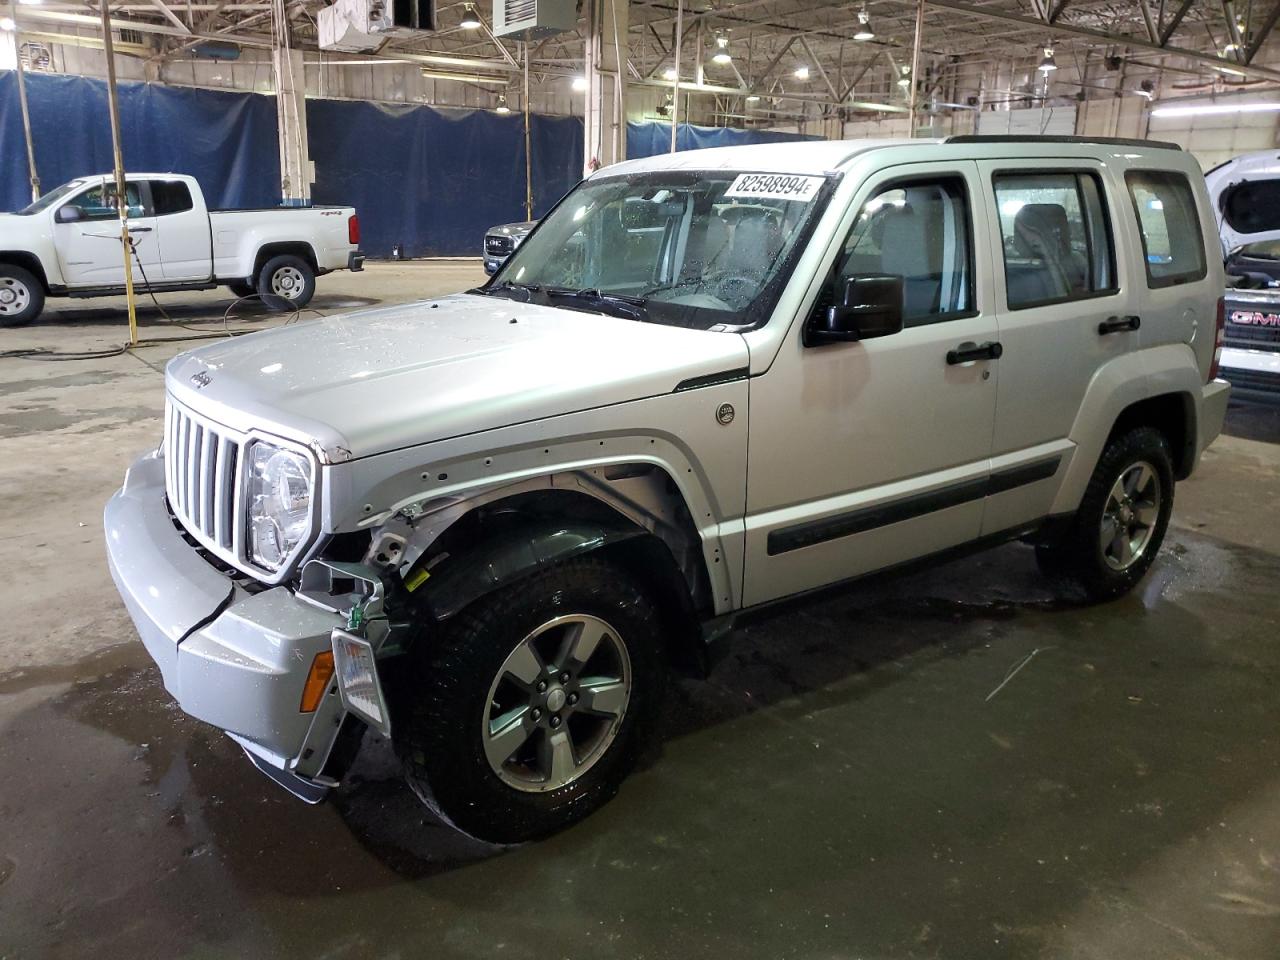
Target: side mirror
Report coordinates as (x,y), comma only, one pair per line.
(69,213)
(870,306)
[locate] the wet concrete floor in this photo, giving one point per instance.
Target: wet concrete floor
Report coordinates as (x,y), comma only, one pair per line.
(868,774)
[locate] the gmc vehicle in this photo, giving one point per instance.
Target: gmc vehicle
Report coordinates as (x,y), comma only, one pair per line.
(485,525)
(67,244)
(501,241)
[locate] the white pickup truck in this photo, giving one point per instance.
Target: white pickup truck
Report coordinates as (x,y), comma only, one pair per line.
(67,244)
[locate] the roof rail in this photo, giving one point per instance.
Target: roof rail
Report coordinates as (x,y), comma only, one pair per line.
(1029,138)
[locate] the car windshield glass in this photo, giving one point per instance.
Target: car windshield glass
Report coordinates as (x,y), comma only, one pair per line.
(50,198)
(706,250)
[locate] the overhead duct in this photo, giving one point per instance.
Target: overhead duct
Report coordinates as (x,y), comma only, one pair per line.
(355,26)
(534,19)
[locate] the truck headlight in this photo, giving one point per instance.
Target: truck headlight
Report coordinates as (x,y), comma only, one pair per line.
(279,503)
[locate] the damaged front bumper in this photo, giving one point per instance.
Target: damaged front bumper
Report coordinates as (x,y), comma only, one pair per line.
(231,657)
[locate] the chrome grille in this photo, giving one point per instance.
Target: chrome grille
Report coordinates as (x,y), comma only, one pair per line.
(202,470)
(498,245)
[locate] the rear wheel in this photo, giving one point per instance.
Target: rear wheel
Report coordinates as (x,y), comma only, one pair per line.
(21,296)
(1112,540)
(286,281)
(528,710)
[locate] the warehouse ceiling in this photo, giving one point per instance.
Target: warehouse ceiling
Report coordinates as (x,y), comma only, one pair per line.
(988,46)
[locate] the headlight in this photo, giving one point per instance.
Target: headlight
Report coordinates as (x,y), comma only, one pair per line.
(279,503)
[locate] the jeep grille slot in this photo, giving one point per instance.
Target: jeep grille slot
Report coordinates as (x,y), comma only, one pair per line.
(202,463)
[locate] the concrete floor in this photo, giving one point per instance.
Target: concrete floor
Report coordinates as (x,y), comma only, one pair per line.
(844,784)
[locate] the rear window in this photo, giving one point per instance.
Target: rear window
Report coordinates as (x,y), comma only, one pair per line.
(1253,206)
(1172,245)
(170,196)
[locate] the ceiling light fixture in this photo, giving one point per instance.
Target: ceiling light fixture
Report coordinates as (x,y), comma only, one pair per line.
(502,105)
(7,24)
(668,74)
(753,98)
(1047,63)
(1211,109)
(802,73)
(905,79)
(864,26)
(470,19)
(722,51)
(580,84)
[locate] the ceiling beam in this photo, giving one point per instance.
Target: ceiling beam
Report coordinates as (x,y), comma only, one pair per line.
(1074,31)
(1263,32)
(1175,21)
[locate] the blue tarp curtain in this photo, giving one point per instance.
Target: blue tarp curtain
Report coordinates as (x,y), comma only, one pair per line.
(470,167)
(648,138)
(428,179)
(227,141)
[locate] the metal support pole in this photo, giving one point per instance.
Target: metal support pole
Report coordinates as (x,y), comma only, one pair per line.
(528,147)
(122,198)
(675,83)
(915,68)
(26,116)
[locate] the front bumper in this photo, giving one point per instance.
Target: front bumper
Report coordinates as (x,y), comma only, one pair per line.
(232,658)
(1252,371)
(491,264)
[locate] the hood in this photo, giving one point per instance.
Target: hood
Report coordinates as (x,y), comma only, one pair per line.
(514,229)
(382,379)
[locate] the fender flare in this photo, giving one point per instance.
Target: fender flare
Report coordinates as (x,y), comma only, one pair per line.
(523,547)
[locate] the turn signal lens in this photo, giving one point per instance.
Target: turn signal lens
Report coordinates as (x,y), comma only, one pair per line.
(317,681)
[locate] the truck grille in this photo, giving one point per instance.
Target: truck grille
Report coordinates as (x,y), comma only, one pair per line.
(202,470)
(497,245)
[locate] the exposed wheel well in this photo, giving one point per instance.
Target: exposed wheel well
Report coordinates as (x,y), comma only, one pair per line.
(1173,414)
(297,249)
(665,556)
(27,261)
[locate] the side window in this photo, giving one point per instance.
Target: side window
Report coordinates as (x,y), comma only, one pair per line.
(1056,238)
(1172,244)
(99,203)
(170,196)
(919,231)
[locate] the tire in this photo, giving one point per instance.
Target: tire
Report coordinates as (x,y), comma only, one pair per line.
(462,683)
(285,282)
(1113,538)
(21,296)
(242,289)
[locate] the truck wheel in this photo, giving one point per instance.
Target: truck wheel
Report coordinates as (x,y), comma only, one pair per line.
(1112,540)
(21,296)
(527,711)
(242,289)
(285,282)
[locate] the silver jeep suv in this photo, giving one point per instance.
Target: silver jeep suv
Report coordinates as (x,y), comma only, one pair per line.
(484,525)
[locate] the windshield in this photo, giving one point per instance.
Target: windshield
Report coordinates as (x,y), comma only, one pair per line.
(50,198)
(708,250)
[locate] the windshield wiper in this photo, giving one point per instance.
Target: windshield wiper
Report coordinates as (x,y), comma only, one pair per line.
(528,289)
(629,308)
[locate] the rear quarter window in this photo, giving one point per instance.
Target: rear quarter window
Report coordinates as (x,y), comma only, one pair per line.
(1172,244)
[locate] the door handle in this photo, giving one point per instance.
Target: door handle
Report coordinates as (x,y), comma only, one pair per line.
(1119,324)
(969,351)
(133,229)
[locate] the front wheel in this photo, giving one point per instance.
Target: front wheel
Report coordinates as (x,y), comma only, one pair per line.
(286,282)
(1112,540)
(527,711)
(21,296)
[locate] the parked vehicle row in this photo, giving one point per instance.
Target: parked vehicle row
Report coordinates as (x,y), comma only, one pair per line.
(67,244)
(486,525)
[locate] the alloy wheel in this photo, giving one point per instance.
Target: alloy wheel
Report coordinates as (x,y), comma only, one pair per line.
(1129,516)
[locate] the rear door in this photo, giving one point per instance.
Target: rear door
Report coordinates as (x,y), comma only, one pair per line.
(1065,308)
(182,227)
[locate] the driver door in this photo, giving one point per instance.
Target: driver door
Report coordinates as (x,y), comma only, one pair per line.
(870,453)
(89,247)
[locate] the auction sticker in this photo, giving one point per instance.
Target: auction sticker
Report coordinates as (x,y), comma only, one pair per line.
(775,186)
